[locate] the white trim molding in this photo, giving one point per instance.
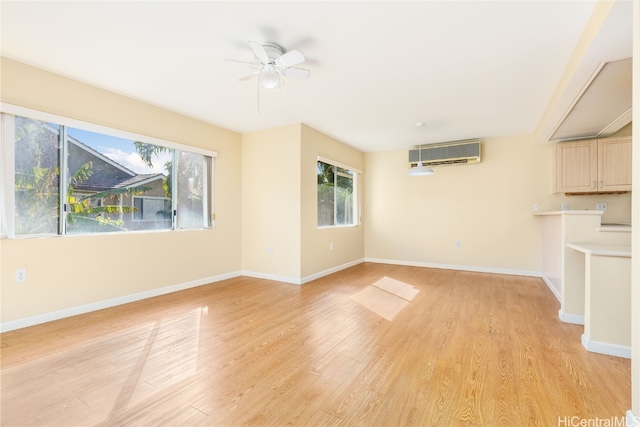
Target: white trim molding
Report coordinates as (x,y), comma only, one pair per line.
(577,319)
(99,305)
(18,110)
(82,309)
(339,164)
(332,270)
(606,348)
(303,280)
(476,269)
(274,277)
(551,287)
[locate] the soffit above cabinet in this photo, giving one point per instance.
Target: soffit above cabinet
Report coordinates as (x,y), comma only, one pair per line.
(593,97)
(603,106)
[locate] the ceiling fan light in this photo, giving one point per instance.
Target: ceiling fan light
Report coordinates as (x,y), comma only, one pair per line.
(269,79)
(420,170)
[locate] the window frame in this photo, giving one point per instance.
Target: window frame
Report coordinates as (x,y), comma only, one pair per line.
(143,198)
(7,160)
(357,202)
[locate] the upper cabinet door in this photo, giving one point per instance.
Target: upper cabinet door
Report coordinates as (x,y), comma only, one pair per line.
(614,164)
(577,166)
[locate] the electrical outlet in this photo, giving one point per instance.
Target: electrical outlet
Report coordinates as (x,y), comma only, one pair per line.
(458,245)
(330,246)
(536,207)
(601,206)
(21,275)
(564,206)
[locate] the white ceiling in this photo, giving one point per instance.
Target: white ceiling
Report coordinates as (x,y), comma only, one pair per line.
(466,68)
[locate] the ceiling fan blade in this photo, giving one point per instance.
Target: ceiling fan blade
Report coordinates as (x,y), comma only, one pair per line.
(259,52)
(293,57)
(296,73)
(250,64)
(248,77)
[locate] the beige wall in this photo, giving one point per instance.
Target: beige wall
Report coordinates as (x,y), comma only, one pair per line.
(280,237)
(347,242)
(70,271)
(487,207)
(265,209)
(271,203)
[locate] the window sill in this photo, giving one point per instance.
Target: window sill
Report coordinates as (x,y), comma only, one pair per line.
(330,227)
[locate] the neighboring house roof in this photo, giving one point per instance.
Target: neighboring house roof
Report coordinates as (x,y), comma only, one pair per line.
(100,155)
(107,173)
(139,180)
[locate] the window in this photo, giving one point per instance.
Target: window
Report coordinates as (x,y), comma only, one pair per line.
(192,170)
(151,209)
(70,180)
(337,194)
(36,178)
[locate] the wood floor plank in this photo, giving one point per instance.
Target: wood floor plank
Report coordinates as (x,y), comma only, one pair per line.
(469,349)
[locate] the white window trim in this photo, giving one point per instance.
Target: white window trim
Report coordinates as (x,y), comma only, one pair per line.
(7,154)
(340,165)
(174,194)
(357,209)
(63,146)
(7,193)
(17,110)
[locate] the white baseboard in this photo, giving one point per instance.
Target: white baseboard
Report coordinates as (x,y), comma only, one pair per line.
(606,348)
(568,318)
(331,271)
(632,420)
(74,311)
(457,267)
(577,319)
(275,277)
(303,280)
(552,288)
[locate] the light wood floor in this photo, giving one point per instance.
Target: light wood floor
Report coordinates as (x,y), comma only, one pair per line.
(470,349)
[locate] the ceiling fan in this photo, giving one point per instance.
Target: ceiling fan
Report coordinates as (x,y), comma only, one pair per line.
(274,64)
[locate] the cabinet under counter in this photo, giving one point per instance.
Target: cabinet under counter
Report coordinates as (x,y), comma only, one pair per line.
(559,228)
(605,272)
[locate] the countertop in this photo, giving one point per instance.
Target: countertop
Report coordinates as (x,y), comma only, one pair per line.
(619,228)
(580,212)
(623,251)
(613,227)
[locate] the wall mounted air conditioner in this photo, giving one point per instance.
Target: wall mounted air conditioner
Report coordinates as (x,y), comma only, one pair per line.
(447,153)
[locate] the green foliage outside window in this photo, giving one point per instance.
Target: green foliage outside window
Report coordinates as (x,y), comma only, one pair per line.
(335,195)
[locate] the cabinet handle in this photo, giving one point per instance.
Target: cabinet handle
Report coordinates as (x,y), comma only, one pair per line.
(601,184)
(594,185)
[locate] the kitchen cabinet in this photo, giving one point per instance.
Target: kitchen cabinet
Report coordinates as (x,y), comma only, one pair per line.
(594,165)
